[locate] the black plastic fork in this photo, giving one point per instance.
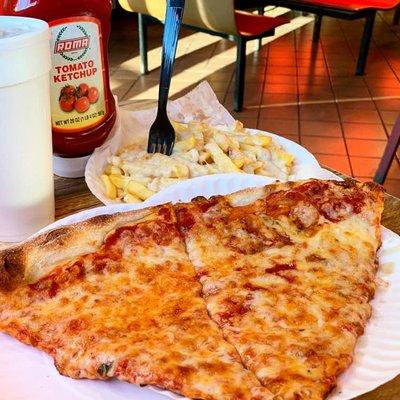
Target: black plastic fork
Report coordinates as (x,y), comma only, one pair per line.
(162,133)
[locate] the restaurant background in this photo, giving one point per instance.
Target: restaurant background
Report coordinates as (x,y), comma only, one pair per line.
(301,90)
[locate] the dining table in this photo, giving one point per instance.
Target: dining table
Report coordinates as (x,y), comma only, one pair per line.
(73,195)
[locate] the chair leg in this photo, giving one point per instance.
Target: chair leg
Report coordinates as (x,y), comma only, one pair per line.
(144,66)
(317,27)
(258,44)
(240,73)
(365,42)
(396,16)
(259,41)
(389,153)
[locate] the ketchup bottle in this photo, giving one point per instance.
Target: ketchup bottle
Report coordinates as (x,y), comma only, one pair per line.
(82,105)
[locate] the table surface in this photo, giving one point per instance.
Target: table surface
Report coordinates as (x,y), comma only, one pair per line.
(72,195)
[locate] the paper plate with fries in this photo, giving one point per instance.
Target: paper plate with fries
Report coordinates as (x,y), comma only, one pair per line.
(209,141)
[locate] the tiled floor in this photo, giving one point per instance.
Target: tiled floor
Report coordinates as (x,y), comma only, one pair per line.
(302,91)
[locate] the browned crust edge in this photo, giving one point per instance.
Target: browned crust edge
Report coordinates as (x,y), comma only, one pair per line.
(18,263)
(32,259)
(375,192)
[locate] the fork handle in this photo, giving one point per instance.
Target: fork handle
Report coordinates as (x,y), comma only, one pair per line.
(173,19)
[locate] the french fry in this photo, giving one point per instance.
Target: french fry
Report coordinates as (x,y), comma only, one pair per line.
(130,198)
(223,162)
(234,143)
(139,190)
(264,172)
(110,189)
(271,170)
(285,157)
(212,169)
(237,157)
(191,155)
(179,127)
(114,170)
(257,140)
(185,144)
(205,157)
(143,180)
(179,172)
(264,155)
(238,127)
(199,137)
(251,168)
(252,152)
(107,169)
(208,133)
(195,169)
(119,181)
(222,140)
(239,162)
(158,184)
(153,165)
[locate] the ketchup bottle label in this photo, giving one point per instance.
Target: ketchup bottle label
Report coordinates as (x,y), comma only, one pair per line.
(77,78)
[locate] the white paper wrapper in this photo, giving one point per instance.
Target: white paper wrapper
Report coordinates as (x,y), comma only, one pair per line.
(377,355)
(201,104)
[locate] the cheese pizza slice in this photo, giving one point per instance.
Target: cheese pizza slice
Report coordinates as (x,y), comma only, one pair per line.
(287,272)
(116,296)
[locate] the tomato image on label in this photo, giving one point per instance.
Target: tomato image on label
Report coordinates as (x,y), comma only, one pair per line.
(82,104)
(82,90)
(67,98)
(93,95)
(67,102)
(79,98)
(68,90)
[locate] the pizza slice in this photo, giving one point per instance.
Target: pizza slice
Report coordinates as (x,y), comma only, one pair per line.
(116,296)
(287,272)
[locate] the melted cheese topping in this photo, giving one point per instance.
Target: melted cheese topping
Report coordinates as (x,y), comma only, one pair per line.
(131,310)
(288,278)
(286,274)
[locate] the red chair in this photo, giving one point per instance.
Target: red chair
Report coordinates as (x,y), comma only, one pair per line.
(250,27)
(343,9)
(389,153)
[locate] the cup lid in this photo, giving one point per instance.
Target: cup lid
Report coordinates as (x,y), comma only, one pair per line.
(19,32)
(24,49)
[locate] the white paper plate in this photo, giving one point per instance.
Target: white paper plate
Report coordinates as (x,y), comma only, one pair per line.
(377,356)
(200,104)
(305,166)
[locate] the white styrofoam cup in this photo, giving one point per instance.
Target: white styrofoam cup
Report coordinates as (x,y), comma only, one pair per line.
(26,177)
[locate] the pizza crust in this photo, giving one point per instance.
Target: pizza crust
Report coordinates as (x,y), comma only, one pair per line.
(247,196)
(36,258)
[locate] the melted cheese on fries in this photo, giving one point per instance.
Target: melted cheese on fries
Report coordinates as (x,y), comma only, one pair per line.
(133,175)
